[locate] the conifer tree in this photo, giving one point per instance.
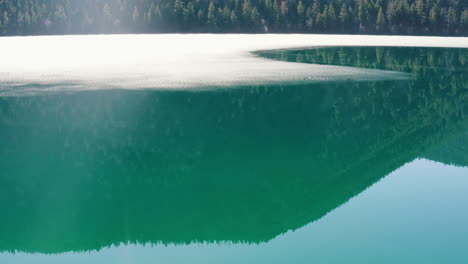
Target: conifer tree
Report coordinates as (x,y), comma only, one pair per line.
(344,14)
(413,14)
(310,19)
(331,18)
(201,17)
(421,12)
(324,17)
(391,12)
(284,8)
(246,8)
(277,13)
(319,21)
(233,17)
(464,19)
(254,16)
(212,15)
(380,20)
(315,8)
(451,18)
(434,16)
(226,15)
(363,12)
(178,9)
(300,13)
(189,13)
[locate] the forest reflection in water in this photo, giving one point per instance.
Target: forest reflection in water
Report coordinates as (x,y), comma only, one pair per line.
(85,170)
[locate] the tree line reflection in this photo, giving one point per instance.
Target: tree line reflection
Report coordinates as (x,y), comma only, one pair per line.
(86,170)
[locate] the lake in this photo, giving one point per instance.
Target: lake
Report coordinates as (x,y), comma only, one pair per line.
(270,153)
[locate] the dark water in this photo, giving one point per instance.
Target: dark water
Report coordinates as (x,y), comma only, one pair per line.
(223,175)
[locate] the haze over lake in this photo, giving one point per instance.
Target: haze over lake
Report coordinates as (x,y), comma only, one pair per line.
(233,149)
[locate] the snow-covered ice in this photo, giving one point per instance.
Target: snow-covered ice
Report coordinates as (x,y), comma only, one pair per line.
(182,61)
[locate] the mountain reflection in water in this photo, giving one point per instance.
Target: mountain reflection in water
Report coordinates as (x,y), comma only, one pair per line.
(85,170)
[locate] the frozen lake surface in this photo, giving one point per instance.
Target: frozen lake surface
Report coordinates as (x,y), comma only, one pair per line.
(55,63)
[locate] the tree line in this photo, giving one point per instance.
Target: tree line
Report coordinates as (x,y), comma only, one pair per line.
(419,17)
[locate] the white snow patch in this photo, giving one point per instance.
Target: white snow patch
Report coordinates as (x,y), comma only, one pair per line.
(55,63)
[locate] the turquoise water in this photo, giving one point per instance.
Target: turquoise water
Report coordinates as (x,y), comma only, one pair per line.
(326,172)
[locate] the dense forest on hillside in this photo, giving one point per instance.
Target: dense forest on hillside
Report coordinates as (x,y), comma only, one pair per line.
(421,17)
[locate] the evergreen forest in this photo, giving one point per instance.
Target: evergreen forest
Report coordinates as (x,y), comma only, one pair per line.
(414,17)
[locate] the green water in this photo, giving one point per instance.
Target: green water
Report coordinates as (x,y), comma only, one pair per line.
(226,176)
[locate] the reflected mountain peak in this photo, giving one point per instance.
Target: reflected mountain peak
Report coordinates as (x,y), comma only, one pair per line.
(88,170)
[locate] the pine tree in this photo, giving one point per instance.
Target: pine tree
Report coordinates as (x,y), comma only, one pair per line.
(391,12)
(344,15)
(404,11)
(212,15)
(309,18)
(464,19)
(421,12)
(434,16)
(277,13)
(233,17)
(363,12)
(380,20)
(178,8)
(413,14)
(309,13)
(284,8)
(315,8)
(300,9)
(227,15)
(451,18)
(246,8)
(300,13)
(331,17)
(443,18)
(220,18)
(201,17)
(319,21)
(254,16)
(189,13)
(324,17)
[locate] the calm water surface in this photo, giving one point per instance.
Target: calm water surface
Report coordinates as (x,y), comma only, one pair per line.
(326,172)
